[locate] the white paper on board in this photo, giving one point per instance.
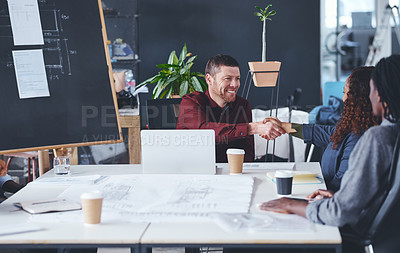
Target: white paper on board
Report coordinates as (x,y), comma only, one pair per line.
(25,22)
(31,73)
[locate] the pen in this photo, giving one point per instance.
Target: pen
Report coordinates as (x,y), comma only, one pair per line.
(46,202)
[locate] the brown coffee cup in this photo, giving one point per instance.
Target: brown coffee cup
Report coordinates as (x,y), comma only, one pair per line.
(235,160)
(91,206)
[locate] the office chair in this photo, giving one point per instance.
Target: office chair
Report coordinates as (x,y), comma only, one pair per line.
(383,212)
(162,113)
(31,158)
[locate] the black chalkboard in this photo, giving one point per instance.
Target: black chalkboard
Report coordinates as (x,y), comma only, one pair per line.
(81,109)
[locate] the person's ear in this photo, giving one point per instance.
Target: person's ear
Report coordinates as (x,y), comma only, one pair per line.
(209,79)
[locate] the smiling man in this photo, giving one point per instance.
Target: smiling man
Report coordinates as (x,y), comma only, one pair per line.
(220,109)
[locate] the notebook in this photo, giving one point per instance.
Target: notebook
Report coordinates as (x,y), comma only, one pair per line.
(301,177)
(178,151)
(49,205)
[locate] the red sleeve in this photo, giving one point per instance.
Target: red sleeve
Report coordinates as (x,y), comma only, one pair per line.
(249,142)
(193,116)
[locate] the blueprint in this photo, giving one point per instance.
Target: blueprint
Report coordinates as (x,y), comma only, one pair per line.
(164,197)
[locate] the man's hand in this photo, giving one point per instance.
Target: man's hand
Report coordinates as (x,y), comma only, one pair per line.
(285,205)
(320,194)
(3,170)
(273,120)
(286,126)
(272,128)
(269,128)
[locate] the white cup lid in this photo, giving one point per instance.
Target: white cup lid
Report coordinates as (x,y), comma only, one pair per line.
(284,173)
(92,195)
(235,151)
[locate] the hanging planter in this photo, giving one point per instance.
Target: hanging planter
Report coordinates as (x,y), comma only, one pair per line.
(265,73)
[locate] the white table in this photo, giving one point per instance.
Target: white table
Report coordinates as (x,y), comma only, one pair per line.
(141,236)
(74,235)
(209,234)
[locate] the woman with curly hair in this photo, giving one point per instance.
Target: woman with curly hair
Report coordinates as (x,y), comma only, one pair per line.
(340,140)
(367,177)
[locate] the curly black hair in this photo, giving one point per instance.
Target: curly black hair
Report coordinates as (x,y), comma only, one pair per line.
(357,114)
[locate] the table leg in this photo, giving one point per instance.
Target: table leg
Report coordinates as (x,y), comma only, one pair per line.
(33,168)
(44,161)
(29,169)
(134,145)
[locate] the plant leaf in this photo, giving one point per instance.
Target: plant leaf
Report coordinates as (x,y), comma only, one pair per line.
(183,70)
(171,57)
(184,88)
(271,13)
(165,66)
(148,81)
(198,74)
(191,59)
(258,14)
(158,88)
(203,84)
(154,91)
(167,89)
(186,69)
(183,54)
(259,8)
(165,72)
(170,80)
(196,84)
(169,93)
(175,60)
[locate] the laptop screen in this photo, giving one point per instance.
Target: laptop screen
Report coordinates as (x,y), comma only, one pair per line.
(178,151)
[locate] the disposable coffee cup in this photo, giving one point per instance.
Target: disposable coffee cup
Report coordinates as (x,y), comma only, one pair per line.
(235,160)
(91,207)
(284,181)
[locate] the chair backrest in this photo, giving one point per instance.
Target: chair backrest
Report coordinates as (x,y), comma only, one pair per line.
(332,89)
(162,113)
(392,198)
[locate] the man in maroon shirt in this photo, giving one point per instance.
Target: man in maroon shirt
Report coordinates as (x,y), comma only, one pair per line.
(220,109)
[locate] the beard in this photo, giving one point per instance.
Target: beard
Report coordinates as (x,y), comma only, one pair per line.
(228,97)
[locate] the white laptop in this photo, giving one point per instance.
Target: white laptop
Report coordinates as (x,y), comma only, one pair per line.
(178,151)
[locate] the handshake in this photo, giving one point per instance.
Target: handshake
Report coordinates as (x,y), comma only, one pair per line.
(270,128)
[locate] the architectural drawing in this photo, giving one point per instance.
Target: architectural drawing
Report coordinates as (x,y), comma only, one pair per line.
(56,51)
(160,197)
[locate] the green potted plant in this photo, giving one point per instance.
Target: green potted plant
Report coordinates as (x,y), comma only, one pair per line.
(175,77)
(268,78)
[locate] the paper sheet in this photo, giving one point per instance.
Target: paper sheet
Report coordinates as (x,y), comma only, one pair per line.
(49,205)
(25,22)
(31,73)
(268,166)
(68,180)
(167,197)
